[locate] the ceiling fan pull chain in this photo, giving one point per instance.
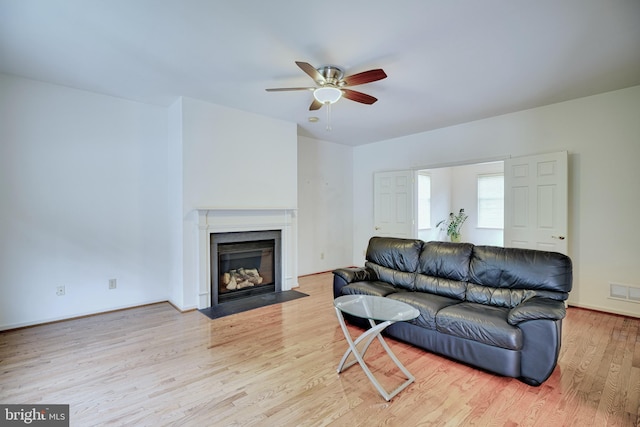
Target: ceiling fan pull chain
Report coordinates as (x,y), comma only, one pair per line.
(328,104)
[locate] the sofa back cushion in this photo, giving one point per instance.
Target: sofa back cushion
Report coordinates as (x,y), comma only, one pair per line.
(439,286)
(444,268)
(394,260)
(503,297)
(401,279)
(507,276)
(395,253)
(445,259)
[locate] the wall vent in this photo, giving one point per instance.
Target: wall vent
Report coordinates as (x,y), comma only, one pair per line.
(624,292)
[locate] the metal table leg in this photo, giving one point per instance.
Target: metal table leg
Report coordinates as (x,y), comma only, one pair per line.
(367,337)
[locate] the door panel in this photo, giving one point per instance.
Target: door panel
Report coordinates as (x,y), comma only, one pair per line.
(536,202)
(393,204)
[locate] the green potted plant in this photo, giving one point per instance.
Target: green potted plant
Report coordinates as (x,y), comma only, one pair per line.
(453,224)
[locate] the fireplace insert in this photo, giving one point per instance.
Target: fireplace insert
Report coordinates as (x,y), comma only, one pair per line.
(244,264)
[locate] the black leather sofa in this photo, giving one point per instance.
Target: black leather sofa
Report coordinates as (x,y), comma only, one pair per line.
(499,309)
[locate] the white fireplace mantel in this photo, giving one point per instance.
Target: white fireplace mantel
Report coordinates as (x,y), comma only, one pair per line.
(226,220)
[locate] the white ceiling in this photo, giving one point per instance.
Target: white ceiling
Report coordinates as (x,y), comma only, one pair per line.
(447,62)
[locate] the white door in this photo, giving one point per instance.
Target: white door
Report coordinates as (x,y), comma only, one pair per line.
(535,202)
(393,200)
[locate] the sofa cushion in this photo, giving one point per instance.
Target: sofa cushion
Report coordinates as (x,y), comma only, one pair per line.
(504,297)
(427,304)
(499,297)
(402,279)
(376,288)
(445,259)
(516,268)
(439,286)
(477,322)
(394,253)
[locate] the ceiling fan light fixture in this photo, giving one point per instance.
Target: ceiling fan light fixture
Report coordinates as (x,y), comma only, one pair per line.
(327,94)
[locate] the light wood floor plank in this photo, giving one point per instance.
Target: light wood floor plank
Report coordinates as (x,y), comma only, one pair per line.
(277,366)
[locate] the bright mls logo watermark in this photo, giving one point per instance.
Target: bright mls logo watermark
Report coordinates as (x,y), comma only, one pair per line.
(34,415)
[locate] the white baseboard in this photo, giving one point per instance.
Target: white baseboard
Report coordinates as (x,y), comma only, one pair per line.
(605,309)
(75,316)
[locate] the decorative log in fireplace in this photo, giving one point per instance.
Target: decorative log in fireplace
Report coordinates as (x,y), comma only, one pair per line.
(244,264)
(241,278)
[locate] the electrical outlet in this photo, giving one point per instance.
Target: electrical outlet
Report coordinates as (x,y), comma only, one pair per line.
(113,284)
(60,291)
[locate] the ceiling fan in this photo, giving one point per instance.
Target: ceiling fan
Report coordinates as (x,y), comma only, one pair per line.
(332,85)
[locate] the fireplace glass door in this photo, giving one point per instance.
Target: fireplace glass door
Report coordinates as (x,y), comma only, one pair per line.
(245,268)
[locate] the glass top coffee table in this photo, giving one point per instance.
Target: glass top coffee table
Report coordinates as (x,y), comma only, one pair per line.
(384,310)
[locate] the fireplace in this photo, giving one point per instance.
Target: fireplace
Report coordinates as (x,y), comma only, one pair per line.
(244,264)
(221,225)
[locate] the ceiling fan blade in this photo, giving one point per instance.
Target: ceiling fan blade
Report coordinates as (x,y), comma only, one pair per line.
(311,71)
(315,105)
(363,98)
(283,89)
(365,77)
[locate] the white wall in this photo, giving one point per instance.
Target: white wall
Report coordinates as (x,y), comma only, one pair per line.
(325,203)
(95,187)
(83,200)
(235,159)
(174,199)
(85,180)
(601,135)
(224,158)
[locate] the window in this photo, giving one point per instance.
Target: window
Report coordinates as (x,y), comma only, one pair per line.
(491,201)
(424,201)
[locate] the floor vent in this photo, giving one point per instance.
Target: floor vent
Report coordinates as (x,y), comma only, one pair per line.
(624,292)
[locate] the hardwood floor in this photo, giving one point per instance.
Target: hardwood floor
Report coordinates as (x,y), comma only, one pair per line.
(276,366)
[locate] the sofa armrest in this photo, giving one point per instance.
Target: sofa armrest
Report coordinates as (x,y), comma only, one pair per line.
(537,308)
(343,276)
(355,274)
